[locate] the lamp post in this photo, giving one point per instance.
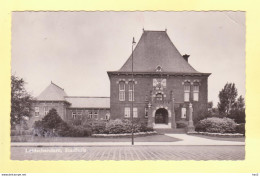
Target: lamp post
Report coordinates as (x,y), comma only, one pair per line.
(132,98)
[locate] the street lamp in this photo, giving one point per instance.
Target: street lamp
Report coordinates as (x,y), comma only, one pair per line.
(132,109)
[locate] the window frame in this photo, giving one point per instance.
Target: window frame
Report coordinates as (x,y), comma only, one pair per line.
(107,116)
(131,92)
(127,112)
(135,112)
(45,110)
(90,115)
(186,88)
(196,92)
(95,115)
(74,115)
(36,111)
(121,91)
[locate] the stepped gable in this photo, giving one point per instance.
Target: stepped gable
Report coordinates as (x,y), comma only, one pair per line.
(156,49)
(52,93)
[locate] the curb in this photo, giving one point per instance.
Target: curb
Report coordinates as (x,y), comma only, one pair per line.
(99,144)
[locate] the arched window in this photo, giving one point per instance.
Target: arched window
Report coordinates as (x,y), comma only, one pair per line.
(187,91)
(131,91)
(121,91)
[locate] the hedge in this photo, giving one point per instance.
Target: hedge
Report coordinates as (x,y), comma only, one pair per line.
(216,125)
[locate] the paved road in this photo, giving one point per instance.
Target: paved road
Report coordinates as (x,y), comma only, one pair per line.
(129,153)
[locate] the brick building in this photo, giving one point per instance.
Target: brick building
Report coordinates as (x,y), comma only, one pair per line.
(163,89)
(164,84)
(70,108)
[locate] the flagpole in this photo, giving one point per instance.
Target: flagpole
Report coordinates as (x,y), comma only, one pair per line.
(132,98)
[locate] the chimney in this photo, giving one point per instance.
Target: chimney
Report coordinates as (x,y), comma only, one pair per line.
(186,56)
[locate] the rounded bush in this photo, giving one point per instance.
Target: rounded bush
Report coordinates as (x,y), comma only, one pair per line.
(216,125)
(119,126)
(99,127)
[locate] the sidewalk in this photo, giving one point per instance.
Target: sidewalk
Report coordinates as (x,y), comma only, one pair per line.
(185,140)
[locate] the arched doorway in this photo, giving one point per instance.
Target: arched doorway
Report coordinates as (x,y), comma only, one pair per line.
(161,116)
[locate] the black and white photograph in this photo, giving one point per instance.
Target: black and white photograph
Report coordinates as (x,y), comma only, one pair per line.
(143,85)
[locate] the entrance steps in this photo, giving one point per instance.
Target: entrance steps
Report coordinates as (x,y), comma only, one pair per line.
(170,131)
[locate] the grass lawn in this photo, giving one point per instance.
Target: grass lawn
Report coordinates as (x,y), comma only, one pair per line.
(235,139)
(150,138)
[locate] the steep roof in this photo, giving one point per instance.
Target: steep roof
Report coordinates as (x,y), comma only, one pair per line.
(156,49)
(88,102)
(52,93)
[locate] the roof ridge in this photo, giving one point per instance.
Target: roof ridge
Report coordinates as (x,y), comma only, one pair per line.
(56,85)
(154,31)
(83,97)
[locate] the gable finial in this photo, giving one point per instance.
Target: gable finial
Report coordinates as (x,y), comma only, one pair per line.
(143,29)
(165,29)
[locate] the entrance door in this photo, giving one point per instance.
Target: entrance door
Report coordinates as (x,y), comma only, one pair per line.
(161,116)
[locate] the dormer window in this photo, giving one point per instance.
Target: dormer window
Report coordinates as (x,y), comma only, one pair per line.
(158,68)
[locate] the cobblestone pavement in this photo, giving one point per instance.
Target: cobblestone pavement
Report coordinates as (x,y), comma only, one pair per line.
(129,153)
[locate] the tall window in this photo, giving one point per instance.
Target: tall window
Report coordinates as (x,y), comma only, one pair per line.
(131,91)
(107,116)
(74,115)
(127,112)
(95,115)
(37,111)
(79,114)
(90,115)
(186,92)
(46,110)
(135,112)
(146,112)
(196,93)
(121,91)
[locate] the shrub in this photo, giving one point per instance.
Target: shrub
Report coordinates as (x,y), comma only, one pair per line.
(181,124)
(238,115)
(216,125)
(118,126)
(76,122)
(21,132)
(143,128)
(98,127)
(202,114)
(52,125)
(240,128)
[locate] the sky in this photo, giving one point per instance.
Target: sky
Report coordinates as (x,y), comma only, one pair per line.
(76,49)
